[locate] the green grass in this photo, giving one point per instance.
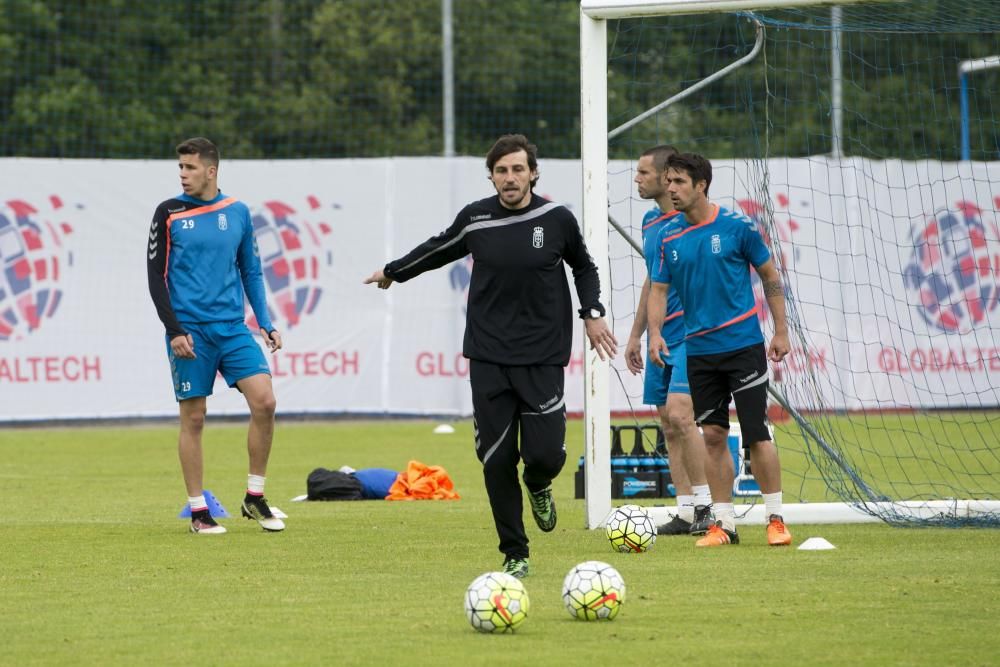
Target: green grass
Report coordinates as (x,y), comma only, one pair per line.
(97,569)
(910,456)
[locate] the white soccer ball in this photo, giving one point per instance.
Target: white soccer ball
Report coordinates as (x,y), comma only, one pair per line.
(496,602)
(593,591)
(630,529)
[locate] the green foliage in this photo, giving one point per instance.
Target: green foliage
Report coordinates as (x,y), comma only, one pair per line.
(345,78)
(49,103)
(365,63)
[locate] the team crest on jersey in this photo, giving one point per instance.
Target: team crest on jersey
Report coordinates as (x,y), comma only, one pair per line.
(716,244)
(223,223)
(538,237)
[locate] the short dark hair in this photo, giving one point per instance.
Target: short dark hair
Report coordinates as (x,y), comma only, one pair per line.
(202,147)
(660,155)
(696,166)
(512,143)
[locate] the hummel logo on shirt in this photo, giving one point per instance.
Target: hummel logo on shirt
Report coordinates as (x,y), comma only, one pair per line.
(484,216)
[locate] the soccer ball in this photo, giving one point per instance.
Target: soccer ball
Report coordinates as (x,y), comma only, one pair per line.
(496,602)
(630,529)
(593,591)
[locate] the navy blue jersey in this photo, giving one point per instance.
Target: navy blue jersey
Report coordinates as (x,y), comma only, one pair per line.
(520,310)
(201,260)
(709,265)
(652,223)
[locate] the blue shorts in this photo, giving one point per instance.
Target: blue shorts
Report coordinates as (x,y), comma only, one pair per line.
(673,379)
(219,347)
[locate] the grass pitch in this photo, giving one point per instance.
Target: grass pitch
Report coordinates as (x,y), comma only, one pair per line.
(97,569)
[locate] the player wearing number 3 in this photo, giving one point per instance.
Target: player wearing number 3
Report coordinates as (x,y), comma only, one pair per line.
(666,386)
(201,260)
(706,258)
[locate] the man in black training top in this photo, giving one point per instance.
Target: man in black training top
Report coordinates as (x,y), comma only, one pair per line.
(518,332)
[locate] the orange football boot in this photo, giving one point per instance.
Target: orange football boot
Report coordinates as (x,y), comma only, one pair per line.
(718,536)
(777,534)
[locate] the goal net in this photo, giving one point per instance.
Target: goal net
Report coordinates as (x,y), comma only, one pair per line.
(865,142)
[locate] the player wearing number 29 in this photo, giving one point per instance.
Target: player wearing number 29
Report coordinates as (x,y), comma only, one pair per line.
(706,258)
(201,260)
(518,332)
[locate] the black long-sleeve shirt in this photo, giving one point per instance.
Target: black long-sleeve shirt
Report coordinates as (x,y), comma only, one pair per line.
(520,310)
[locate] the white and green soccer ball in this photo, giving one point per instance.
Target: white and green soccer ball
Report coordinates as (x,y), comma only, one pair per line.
(593,591)
(630,529)
(496,602)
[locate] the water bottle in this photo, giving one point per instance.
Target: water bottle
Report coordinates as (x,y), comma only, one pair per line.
(619,464)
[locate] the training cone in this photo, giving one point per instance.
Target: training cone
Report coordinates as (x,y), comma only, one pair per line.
(816,544)
(444,429)
(215,508)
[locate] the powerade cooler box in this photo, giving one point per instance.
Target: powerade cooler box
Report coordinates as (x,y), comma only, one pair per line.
(642,473)
(646,474)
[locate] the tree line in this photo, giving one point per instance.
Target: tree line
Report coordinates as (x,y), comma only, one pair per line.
(363,78)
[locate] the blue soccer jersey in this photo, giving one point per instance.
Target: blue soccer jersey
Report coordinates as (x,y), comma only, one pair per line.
(206,254)
(652,224)
(709,265)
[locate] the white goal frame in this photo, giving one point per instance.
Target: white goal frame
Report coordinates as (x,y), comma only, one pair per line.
(594,15)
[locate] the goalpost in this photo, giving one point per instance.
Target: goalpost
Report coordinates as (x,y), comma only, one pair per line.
(891,260)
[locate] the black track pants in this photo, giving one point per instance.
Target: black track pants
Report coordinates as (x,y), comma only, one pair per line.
(506,401)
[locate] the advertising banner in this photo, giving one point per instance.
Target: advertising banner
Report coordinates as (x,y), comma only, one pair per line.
(896,283)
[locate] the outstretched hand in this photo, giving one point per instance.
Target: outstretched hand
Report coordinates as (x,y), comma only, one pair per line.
(380,278)
(601,338)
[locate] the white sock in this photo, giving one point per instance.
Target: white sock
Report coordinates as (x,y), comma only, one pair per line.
(725,513)
(772,504)
(255,484)
(685,508)
(197,503)
(702,495)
